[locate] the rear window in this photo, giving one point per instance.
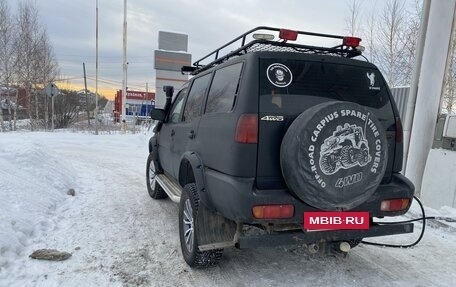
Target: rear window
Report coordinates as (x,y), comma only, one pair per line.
(291,86)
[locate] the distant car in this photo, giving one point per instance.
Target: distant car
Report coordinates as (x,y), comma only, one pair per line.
(304,142)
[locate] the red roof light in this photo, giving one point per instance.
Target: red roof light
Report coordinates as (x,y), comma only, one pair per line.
(351,41)
(286,34)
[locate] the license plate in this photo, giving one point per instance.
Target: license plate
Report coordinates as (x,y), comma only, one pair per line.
(333,220)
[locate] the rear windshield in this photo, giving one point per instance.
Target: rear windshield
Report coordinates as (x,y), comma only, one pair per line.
(291,86)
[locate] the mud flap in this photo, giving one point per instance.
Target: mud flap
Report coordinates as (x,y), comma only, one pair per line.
(214,230)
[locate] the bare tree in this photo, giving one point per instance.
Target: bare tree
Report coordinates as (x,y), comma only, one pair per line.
(390,47)
(449,92)
(353,19)
(35,60)
(408,40)
(46,71)
(370,34)
(27,23)
(390,36)
(66,108)
(6,51)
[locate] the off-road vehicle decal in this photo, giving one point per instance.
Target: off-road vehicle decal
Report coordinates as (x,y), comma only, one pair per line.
(346,148)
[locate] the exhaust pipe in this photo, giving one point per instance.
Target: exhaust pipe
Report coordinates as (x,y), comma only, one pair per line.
(344,246)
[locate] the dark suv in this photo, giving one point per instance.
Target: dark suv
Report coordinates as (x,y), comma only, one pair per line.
(304,143)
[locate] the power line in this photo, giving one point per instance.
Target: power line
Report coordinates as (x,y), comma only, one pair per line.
(92,56)
(116,83)
(67,79)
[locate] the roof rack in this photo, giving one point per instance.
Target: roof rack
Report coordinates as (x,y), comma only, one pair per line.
(263,42)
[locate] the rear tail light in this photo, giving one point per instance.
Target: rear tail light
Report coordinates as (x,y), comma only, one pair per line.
(399,131)
(273,211)
(288,34)
(397,204)
(247,128)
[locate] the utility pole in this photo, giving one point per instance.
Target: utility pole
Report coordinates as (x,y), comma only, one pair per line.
(52,91)
(85,89)
(53,112)
(46,113)
(124,63)
(145,97)
(96,73)
(2,127)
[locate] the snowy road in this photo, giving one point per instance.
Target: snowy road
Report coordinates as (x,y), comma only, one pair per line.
(119,236)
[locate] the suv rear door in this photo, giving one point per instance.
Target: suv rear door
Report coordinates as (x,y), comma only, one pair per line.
(303,83)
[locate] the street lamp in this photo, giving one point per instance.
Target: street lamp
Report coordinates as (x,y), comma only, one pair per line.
(124,62)
(96,72)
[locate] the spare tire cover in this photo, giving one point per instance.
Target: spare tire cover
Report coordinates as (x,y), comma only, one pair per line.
(334,155)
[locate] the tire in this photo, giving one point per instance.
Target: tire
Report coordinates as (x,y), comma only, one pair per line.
(363,155)
(347,156)
(154,189)
(328,164)
(188,231)
(343,183)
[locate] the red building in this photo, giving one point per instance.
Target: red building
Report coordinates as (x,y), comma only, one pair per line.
(138,104)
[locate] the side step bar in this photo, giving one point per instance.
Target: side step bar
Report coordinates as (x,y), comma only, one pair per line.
(172,189)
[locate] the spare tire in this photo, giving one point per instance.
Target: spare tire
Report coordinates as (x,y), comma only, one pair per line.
(334,155)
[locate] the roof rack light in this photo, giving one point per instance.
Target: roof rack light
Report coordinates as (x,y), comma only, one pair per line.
(258,36)
(349,48)
(286,34)
(351,41)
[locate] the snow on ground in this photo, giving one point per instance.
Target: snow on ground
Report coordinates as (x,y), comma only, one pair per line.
(120,237)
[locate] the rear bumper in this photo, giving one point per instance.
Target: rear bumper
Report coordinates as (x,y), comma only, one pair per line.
(293,238)
(234,197)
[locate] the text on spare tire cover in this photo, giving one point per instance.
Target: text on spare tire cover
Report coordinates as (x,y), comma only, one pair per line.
(345,147)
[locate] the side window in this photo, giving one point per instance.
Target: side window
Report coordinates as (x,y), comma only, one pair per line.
(195,98)
(175,113)
(223,90)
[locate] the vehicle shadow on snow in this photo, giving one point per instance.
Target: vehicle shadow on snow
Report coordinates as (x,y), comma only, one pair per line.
(284,266)
(278,266)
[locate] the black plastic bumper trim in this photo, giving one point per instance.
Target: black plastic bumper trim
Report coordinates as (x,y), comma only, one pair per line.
(293,238)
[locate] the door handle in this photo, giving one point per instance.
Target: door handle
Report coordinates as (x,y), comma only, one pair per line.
(173,132)
(191,134)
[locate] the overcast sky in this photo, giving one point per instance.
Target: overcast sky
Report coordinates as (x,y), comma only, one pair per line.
(208,23)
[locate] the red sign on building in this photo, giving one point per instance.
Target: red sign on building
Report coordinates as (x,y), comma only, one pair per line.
(133,97)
